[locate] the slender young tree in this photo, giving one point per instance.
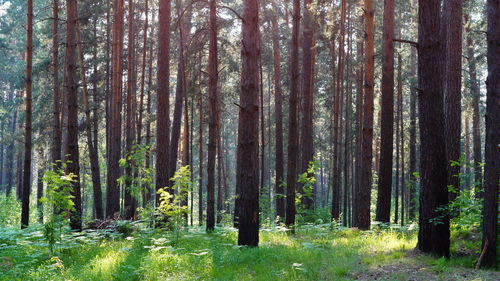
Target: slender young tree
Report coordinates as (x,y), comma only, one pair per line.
(432,237)
(387,116)
(213,100)
(293,133)
(115,109)
(25,211)
(71,149)
(492,153)
(200,147)
(363,196)
(247,175)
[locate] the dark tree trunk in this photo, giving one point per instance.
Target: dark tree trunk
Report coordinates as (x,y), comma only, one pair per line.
(130,204)
(432,238)
(293,133)
(280,192)
(387,117)
(492,153)
(452,72)
(57,134)
(363,196)
(115,109)
(10,150)
(247,175)
(163,112)
(71,150)
(93,154)
(39,189)
(25,211)
(401,140)
(143,72)
(201,144)
(212,115)
(359,118)
(413,137)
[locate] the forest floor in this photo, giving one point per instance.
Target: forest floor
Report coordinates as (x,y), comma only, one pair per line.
(313,253)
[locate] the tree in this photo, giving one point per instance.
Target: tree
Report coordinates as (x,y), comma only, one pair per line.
(56,149)
(25,211)
(247,176)
(363,196)
(213,100)
(434,231)
(492,153)
(163,112)
(387,116)
(71,149)
(293,133)
(280,193)
(115,109)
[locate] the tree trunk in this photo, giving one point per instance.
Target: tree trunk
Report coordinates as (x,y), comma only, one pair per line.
(10,150)
(280,192)
(293,118)
(28,119)
(247,175)
(130,204)
(57,134)
(212,115)
(492,153)
(432,238)
(452,72)
(39,190)
(387,117)
(201,144)
(71,150)
(163,112)
(363,196)
(401,139)
(143,72)
(413,137)
(93,154)
(115,109)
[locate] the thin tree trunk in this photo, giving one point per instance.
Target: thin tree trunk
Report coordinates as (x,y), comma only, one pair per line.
(247,175)
(57,134)
(201,144)
(28,119)
(39,190)
(143,73)
(413,136)
(10,150)
(401,138)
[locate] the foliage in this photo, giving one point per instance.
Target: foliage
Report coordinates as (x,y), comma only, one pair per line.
(10,212)
(58,196)
(307,181)
(170,205)
(141,177)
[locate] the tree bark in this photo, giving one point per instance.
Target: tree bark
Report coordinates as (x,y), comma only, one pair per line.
(492,153)
(432,238)
(413,137)
(247,175)
(387,117)
(293,118)
(57,134)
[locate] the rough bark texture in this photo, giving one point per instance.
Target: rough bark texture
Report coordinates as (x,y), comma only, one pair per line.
(213,99)
(25,211)
(280,192)
(452,36)
(247,175)
(432,238)
(163,112)
(492,151)
(71,149)
(363,196)
(387,116)
(115,109)
(291,179)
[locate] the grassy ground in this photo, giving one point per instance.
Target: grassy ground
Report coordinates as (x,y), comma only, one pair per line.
(313,253)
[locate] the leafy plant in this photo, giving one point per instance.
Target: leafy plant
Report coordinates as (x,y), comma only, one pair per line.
(141,177)
(307,180)
(171,206)
(58,196)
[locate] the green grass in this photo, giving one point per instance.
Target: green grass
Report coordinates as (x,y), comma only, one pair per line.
(313,253)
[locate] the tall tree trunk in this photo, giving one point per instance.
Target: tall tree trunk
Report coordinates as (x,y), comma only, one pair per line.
(413,136)
(401,138)
(163,111)
(280,192)
(143,73)
(293,133)
(130,204)
(452,72)
(363,196)
(201,144)
(93,154)
(57,134)
(10,150)
(39,190)
(220,189)
(492,153)
(212,115)
(307,149)
(359,118)
(387,117)
(432,238)
(247,175)
(467,151)
(71,150)
(28,119)
(115,109)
